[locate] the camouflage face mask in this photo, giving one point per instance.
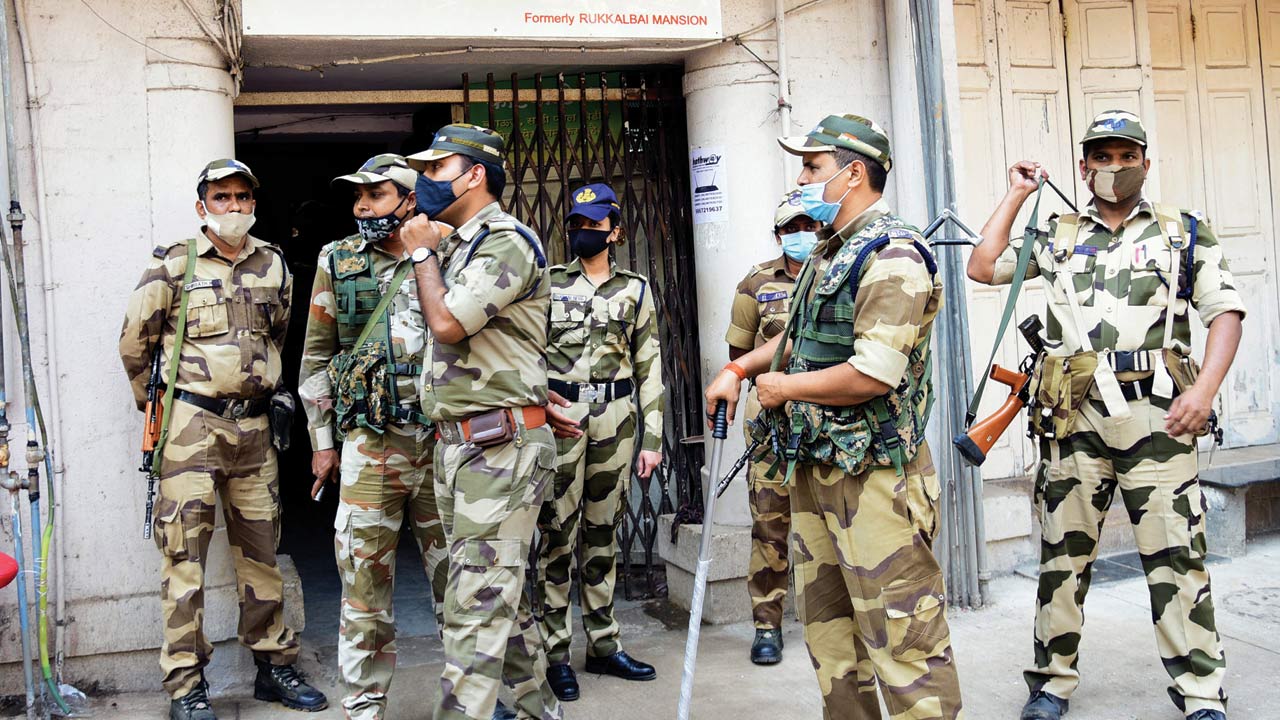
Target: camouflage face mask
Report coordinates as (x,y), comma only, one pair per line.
(377,229)
(1114,183)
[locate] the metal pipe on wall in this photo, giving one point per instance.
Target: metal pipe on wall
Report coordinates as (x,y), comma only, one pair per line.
(784,92)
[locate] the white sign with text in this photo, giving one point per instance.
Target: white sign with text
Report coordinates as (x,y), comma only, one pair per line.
(706,170)
(477,19)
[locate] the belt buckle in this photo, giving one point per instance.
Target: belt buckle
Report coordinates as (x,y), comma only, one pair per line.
(590,392)
(237,409)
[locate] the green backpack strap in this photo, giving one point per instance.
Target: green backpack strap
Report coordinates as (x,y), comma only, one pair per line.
(179,336)
(396,281)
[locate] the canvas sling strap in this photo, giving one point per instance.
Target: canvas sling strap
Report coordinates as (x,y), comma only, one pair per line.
(179,336)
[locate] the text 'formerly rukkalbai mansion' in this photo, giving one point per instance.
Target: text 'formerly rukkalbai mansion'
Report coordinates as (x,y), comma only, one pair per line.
(611,18)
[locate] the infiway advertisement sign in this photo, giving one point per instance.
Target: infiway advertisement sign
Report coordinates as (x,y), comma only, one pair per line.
(487,19)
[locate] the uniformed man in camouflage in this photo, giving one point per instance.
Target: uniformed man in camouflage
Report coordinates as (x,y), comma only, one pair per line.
(760,311)
(848,391)
(1118,404)
(484,293)
(368,398)
(603,350)
(237,292)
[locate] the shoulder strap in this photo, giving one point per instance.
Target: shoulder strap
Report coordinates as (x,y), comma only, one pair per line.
(1063,244)
(179,336)
(396,281)
(1029,235)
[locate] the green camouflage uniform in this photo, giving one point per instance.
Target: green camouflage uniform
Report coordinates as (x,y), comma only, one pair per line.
(1120,283)
(238,312)
(384,475)
(600,335)
(499,293)
(760,311)
(869,591)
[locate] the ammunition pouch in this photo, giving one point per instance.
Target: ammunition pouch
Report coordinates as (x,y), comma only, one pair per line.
(362,393)
(281,416)
(1058,389)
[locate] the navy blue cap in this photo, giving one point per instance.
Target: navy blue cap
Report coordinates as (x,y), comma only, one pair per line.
(595,201)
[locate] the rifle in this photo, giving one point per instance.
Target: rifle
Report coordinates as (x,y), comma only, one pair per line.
(976,442)
(154,416)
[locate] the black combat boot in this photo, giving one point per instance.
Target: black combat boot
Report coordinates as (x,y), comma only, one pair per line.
(1207,714)
(563,681)
(283,684)
(1043,706)
(194,705)
(502,712)
(621,665)
(767,648)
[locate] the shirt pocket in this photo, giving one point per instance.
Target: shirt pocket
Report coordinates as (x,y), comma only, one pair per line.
(1075,275)
(1150,270)
(207,314)
(621,321)
(773,317)
(264,305)
(568,319)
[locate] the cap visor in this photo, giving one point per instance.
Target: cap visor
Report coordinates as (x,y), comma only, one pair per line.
(797,146)
(418,161)
(359,179)
(593,212)
(223,173)
(1108,136)
(777,223)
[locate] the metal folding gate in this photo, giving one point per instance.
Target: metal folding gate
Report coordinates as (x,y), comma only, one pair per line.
(628,130)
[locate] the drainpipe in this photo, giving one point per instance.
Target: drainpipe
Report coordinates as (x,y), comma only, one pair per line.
(956,370)
(784,92)
(53,449)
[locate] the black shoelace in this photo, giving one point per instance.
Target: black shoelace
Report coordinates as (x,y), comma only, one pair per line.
(286,675)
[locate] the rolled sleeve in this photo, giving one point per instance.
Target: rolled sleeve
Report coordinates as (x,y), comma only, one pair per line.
(467,308)
(889,312)
(744,318)
(1007,263)
(1213,292)
(878,361)
(501,271)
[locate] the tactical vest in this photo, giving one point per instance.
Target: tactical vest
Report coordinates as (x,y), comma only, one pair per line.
(364,378)
(886,431)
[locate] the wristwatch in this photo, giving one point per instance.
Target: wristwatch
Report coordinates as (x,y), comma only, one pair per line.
(421,254)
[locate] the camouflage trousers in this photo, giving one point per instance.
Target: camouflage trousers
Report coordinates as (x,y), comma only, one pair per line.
(869,591)
(1157,478)
(768,569)
(489,500)
(207,456)
(591,483)
(384,478)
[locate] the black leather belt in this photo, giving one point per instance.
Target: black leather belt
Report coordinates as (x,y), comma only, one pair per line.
(229,408)
(599,392)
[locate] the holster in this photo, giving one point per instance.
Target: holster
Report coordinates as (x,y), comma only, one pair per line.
(281,417)
(1058,389)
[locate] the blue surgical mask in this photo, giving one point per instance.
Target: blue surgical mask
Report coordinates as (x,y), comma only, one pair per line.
(436,196)
(798,245)
(813,203)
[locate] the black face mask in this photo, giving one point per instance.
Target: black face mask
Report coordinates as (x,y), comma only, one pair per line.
(585,242)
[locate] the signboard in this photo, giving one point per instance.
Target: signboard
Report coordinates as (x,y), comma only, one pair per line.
(706,167)
(504,116)
(475,20)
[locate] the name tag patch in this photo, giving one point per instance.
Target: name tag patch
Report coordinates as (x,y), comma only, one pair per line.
(564,297)
(771,296)
(202,284)
(1085,250)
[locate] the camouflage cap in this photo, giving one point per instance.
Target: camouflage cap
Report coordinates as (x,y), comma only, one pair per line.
(1116,124)
(224,168)
(473,141)
(789,209)
(381,168)
(851,132)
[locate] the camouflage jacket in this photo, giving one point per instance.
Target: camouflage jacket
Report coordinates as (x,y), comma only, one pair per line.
(607,333)
(761,305)
(1121,282)
(406,331)
(499,293)
(237,315)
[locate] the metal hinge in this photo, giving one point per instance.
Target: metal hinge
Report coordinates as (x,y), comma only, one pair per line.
(1193,27)
(1062,13)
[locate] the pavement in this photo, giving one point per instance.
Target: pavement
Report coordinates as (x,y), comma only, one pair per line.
(1122,678)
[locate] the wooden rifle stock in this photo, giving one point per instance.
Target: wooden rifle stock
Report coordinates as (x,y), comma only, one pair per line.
(977,441)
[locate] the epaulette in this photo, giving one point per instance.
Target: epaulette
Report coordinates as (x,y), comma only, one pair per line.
(633,274)
(162,251)
(902,233)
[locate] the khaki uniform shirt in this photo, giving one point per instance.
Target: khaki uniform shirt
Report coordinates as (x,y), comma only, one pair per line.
(761,306)
(1121,283)
(237,315)
(605,334)
(407,330)
(499,292)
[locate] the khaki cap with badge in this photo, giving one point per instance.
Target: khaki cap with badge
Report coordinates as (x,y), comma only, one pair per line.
(851,132)
(1116,124)
(474,141)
